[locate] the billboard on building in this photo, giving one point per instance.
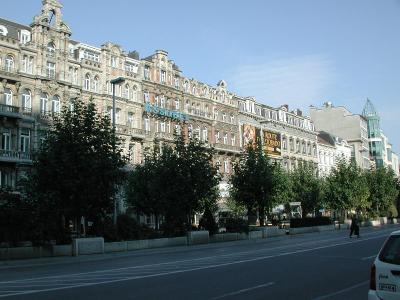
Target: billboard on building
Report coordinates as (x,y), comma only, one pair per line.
(272,143)
(251,135)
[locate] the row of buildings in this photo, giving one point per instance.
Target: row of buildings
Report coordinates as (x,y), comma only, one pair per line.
(42,69)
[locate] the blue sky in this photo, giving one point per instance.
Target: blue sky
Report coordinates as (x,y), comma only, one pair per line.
(300,53)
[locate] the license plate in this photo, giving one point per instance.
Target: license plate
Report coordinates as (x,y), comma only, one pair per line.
(387,287)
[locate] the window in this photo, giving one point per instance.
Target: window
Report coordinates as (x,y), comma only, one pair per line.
(26,101)
(177,129)
(9,63)
(25,36)
(51,70)
(162,126)
(55,104)
(205,134)
(90,55)
(177,104)
(284,143)
(130,119)
(146,124)
(127,92)
(6,140)
(8,97)
(86,85)
(71,105)
(176,82)
(162,101)
(132,153)
(29,68)
(162,76)
(185,86)
(194,90)
(232,119)
(129,67)
(216,114)
(224,117)
(114,61)
(225,138)
(233,140)
(51,49)
(147,72)
(25,63)
(43,103)
(146,96)
(75,76)
(95,83)
(217,137)
(3,30)
(226,166)
(25,140)
(117,115)
(190,131)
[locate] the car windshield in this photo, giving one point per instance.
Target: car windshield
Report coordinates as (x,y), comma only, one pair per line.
(391,251)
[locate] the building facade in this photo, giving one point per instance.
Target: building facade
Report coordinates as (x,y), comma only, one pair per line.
(342,123)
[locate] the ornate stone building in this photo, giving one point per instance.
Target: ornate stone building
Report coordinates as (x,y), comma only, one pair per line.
(288,137)
(42,69)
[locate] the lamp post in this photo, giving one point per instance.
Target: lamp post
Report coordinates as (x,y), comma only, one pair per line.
(114,82)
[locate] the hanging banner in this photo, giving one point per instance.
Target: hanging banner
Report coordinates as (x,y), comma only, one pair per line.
(272,143)
(251,135)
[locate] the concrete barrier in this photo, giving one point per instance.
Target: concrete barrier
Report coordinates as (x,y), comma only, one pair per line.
(168,242)
(224,237)
(138,244)
(62,250)
(84,246)
(115,247)
(35,252)
(383,220)
(274,231)
(198,237)
(394,221)
(254,235)
(301,230)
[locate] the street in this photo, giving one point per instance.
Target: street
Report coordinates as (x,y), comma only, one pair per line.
(326,265)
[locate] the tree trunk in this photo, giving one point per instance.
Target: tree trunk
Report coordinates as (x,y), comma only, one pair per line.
(261,215)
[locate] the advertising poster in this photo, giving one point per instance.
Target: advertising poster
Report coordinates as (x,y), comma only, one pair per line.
(250,135)
(272,143)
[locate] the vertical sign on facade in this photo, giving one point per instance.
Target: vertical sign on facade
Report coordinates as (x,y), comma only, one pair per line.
(272,143)
(251,135)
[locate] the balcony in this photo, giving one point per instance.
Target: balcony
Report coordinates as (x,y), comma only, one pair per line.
(10,111)
(15,156)
(128,130)
(164,136)
(10,73)
(226,148)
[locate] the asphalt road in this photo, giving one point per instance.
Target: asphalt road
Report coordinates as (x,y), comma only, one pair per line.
(313,266)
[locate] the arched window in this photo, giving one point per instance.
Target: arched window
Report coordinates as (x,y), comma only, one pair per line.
(87,82)
(8,97)
(127,92)
(51,48)
(43,103)
(205,135)
(233,139)
(217,137)
(26,100)
(55,104)
(95,83)
(9,63)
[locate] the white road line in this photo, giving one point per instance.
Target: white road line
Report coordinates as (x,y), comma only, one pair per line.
(342,291)
(189,270)
(244,290)
(369,257)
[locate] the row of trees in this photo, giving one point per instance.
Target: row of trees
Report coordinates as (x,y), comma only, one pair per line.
(259,185)
(79,168)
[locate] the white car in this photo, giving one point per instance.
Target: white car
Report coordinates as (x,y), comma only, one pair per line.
(385,272)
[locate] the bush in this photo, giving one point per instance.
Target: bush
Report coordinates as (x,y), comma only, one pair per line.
(128,228)
(235,225)
(309,222)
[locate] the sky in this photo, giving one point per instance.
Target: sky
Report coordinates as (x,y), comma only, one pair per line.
(297,52)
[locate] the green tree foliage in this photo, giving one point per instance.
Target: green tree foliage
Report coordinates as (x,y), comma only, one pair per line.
(174,182)
(383,190)
(346,187)
(306,188)
(256,182)
(77,169)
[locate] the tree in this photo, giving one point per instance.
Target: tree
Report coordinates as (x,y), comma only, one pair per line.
(346,187)
(78,167)
(306,188)
(175,182)
(382,189)
(256,182)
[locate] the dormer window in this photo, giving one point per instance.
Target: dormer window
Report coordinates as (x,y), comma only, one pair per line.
(51,48)
(25,36)
(3,30)
(114,61)
(147,72)
(162,76)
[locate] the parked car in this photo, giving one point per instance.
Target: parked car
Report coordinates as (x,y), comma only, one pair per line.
(385,272)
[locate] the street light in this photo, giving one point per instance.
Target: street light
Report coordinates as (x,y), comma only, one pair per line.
(114,82)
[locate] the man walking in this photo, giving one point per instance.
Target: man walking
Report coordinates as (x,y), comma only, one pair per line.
(354,227)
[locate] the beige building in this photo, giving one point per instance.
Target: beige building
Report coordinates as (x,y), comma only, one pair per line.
(342,123)
(287,136)
(42,69)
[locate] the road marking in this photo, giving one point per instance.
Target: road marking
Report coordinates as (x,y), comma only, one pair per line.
(369,257)
(342,291)
(244,290)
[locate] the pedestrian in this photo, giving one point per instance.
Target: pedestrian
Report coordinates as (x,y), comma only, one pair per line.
(354,227)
